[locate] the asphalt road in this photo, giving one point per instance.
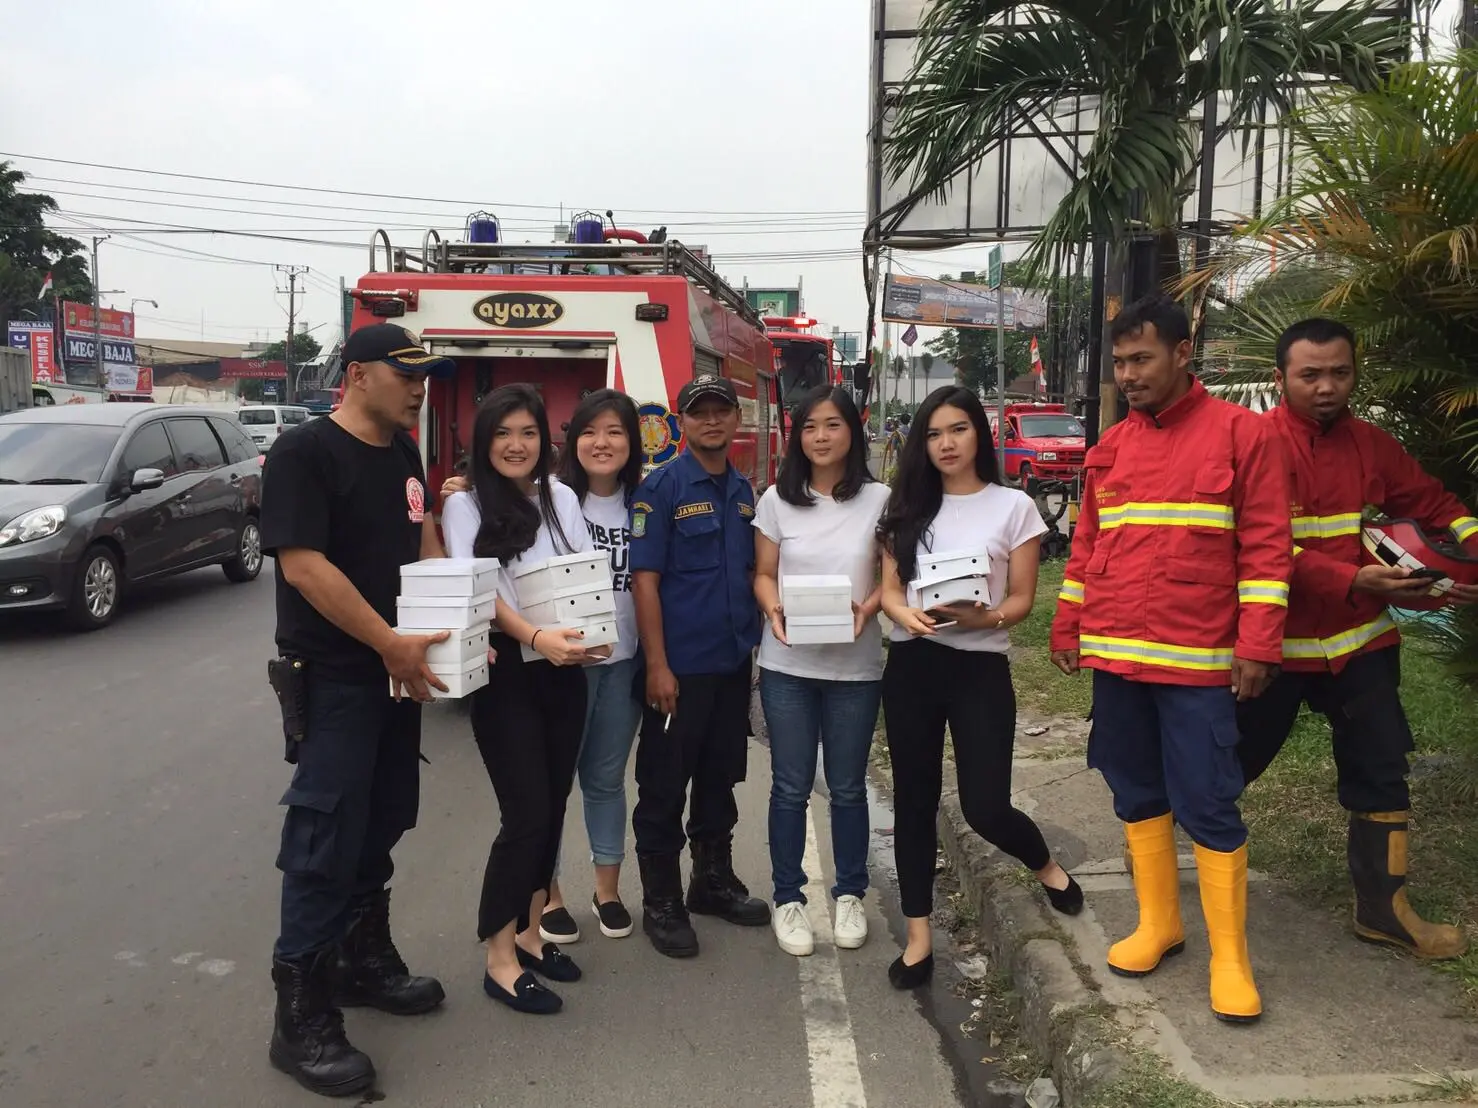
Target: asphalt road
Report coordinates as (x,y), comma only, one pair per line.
(138,825)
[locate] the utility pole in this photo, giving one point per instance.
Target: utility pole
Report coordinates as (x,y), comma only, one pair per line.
(996,276)
(293,273)
(97,312)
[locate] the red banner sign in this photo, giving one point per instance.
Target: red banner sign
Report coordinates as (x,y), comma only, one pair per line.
(256,369)
(114,324)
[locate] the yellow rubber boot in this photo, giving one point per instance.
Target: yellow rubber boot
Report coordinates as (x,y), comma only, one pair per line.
(1157,886)
(1224,901)
(1377,853)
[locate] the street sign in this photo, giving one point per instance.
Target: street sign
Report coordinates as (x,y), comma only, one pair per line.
(909,337)
(993,276)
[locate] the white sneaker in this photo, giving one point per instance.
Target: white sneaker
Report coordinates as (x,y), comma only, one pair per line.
(851,925)
(793,929)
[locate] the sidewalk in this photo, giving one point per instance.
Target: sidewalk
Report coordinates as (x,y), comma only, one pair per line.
(1343,1021)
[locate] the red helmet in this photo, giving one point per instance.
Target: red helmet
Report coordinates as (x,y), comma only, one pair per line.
(1401,542)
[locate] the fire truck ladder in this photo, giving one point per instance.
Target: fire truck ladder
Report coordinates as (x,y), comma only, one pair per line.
(668,259)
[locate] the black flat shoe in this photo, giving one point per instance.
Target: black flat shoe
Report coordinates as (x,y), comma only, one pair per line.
(1068,901)
(558,926)
(527,996)
(905,976)
(555,965)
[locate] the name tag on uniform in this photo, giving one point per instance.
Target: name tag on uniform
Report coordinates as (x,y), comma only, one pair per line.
(687,511)
(746,510)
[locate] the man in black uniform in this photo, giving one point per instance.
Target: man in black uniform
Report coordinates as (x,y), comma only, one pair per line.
(343,508)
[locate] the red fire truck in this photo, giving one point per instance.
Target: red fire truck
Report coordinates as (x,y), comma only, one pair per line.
(1042,441)
(609,309)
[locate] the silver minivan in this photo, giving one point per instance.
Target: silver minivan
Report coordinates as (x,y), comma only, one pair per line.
(265,422)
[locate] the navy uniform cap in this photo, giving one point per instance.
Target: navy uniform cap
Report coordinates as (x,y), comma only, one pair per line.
(397,347)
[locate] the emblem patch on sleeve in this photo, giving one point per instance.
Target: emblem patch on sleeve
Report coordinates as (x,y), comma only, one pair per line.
(638,525)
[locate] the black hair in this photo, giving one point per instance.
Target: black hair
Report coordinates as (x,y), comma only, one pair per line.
(918,491)
(510,523)
(795,468)
(1316,330)
(1172,326)
(571,472)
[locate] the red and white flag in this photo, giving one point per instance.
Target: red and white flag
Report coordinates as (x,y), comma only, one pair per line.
(1037,367)
(45,287)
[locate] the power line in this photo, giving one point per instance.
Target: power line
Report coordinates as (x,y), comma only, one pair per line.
(394,196)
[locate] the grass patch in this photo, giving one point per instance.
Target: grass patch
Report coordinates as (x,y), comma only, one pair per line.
(1298,828)
(1041,688)
(1148,1083)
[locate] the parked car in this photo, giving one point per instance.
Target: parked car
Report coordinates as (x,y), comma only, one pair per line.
(95,498)
(265,422)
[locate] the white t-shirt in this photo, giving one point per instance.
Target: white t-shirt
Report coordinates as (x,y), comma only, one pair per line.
(461,518)
(609,523)
(995,520)
(828,537)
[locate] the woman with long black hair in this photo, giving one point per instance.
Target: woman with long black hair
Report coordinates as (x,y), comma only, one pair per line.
(529,717)
(948,667)
(820,517)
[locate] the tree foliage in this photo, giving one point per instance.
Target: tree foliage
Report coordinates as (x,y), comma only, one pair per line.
(985,66)
(29,250)
(305,349)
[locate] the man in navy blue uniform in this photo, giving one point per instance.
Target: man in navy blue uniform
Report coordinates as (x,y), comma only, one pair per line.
(692,557)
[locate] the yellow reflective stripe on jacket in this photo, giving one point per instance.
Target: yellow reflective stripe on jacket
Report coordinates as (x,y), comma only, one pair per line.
(1154,653)
(1167,515)
(1463,528)
(1326,527)
(1337,646)
(1072,591)
(1263,592)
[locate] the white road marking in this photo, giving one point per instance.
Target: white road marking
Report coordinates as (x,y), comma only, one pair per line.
(836,1080)
(217,967)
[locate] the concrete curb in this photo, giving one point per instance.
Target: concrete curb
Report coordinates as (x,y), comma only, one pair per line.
(1062,1018)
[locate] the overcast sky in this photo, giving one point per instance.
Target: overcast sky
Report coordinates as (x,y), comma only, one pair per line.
(741,126)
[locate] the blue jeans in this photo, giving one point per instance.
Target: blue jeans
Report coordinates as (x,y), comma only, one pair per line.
(611,717)
(841,716)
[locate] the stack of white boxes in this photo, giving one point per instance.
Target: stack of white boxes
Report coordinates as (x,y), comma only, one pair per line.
(457,595)
(570,590)
(952,577)
(818,608)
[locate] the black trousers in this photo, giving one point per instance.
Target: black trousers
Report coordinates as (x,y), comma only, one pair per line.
(927,686)
(356,790)
(1371,734)
(707,744)
(528,720)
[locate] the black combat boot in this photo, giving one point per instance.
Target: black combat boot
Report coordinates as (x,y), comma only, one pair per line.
(664,918)
(716,890)
(308,1041)
(372,973)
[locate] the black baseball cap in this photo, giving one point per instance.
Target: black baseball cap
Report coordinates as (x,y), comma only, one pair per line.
(704,386)
(397,347)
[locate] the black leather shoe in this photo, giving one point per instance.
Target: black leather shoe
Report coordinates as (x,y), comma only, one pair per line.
(527,996)
(555,965)
(664,918)
(905,976)
(372,973)
(716,890)
(1068,901)
(308,1041)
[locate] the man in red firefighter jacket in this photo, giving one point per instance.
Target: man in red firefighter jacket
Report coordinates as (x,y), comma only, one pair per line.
(1341,651)
(1175,596)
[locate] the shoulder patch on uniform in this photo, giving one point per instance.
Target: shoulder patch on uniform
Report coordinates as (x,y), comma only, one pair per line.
(746,510)
(638,523)
(700,508)
(640,506)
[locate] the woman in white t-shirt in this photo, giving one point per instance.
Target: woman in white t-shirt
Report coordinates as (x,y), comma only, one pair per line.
(529,717)
(947,666)
(820,518)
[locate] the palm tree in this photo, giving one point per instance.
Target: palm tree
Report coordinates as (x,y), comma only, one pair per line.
(1382,232)
(987,68)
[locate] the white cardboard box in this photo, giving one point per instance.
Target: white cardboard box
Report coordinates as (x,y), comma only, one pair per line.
(815,630)
(948,565)
(465,577)
(541,581)
(442,613)
(460,680)
(599,631)
(465,645)
(816,595)
(962,590)
(571,606)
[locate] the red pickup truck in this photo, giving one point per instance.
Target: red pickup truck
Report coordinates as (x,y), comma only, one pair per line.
(1042,441)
